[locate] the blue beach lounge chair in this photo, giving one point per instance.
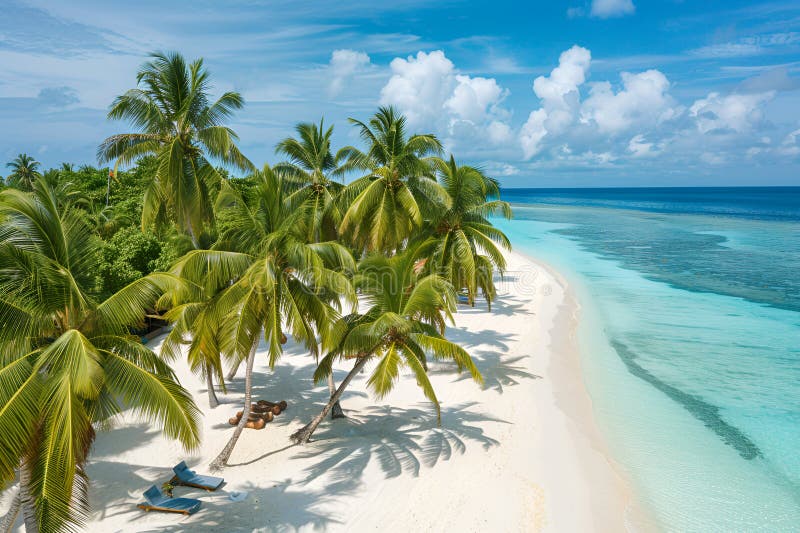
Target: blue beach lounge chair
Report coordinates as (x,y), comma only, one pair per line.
(158,502)
(184,476)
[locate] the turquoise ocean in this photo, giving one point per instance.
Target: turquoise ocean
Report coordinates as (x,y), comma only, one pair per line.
(690,340)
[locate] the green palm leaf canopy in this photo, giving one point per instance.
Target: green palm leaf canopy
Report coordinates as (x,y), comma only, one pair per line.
(460,243)
(387,204)
(67,360)
(24,172)
(177,122)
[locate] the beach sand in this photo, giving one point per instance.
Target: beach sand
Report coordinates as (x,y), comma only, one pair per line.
(522,454)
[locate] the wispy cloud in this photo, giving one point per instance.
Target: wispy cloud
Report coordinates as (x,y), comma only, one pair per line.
(749,46)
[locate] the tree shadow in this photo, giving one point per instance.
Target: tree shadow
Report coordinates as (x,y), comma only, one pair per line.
(506,308)
(504,305)
(276,508)
(117,488)
(294,384)
(114,486)
(497,372)
(468,338)
(400,440)
(125,438)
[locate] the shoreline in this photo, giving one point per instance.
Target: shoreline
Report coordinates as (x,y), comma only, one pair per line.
(523,454)
(619,510)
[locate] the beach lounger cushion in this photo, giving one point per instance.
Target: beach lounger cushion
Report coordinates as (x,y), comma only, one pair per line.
(156,501)
(184,476)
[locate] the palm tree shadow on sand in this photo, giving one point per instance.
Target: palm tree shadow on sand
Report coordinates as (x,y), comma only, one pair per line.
(275,508)
(498,369)
(498,372)
(292,383)
(400,440)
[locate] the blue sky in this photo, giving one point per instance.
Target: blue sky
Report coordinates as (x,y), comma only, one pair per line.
(575,93)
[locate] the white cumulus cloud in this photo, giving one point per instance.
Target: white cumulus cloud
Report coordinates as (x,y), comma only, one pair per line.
(432,93)
(737,112)
(532,133)
(343,65)
(644,100)
(639,147)
(641,103)
(473,98)
(560,99)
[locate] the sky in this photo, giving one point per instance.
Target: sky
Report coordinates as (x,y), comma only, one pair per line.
(580,93)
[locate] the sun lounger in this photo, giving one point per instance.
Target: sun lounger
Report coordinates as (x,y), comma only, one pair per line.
(158,502)
(184,476)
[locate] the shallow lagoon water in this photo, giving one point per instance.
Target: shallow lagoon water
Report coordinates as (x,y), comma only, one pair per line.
(690,343)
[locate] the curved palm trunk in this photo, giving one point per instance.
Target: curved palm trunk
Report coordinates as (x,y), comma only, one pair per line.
(225,454)
(11,516)
(212,396)
(232,371)
(302,435)
(336,410)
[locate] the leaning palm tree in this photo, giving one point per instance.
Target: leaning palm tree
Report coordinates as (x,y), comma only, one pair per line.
(178,124)
(289,286)
(388,203)
(195,312)
(309,169)
(402,327)
(460,243)
(67,360)
(24,172)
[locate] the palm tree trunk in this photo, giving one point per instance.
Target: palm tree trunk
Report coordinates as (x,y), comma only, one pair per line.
(212,396)
(336,410)
(302,435)
(225,454)
(108,188)
(28,510)
(232,371)
(11,516)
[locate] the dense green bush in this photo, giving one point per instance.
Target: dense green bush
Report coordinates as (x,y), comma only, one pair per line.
(127,256)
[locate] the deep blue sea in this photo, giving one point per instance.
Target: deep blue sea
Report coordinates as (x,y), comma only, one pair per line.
(690,340)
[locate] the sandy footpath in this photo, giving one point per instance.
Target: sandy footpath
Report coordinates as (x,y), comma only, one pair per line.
(520,455)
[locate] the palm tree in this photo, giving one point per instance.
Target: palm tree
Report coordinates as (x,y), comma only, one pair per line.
(67,361)
(107,219)
(460,243)
(392,199)
(310,168)
(196,314)
(67,193)
(24,172)
(176,122)
(289,285)
(402,327)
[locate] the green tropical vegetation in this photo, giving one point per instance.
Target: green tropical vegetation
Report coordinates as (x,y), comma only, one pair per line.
(179,125)
(360,255)
(24,172)
(69,361)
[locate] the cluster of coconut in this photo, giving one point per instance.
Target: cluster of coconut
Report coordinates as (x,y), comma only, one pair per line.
(261,412)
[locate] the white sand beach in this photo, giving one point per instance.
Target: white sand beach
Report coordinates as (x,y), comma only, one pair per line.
(520,455)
